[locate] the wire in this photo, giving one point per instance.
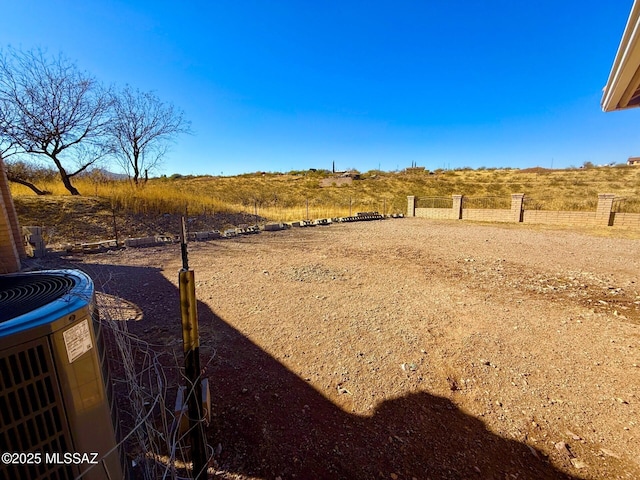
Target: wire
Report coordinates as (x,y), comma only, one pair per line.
(140,368)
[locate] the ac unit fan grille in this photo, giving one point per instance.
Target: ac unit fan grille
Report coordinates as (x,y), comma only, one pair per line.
(31,413)
(23,294)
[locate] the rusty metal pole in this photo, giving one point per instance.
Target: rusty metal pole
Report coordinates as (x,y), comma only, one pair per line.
(191,341)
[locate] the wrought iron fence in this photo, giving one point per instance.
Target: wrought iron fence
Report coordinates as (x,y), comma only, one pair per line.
(629,204)
(434,202)
(486,202)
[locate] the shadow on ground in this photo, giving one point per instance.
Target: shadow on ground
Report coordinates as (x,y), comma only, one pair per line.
(272,423)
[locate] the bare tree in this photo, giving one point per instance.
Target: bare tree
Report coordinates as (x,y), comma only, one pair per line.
(143,126)
(48,107)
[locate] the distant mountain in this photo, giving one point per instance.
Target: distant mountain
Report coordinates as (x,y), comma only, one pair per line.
(108,174)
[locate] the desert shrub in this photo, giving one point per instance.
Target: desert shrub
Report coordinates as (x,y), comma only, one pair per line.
(283,196)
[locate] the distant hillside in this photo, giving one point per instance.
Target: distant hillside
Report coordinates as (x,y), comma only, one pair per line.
(107,174)
(260,197)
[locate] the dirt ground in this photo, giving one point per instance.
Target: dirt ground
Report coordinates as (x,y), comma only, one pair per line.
(407,348)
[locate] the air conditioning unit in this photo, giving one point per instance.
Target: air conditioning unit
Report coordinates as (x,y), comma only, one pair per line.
(54,406)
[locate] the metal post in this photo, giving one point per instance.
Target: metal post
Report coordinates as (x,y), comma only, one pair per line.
(191,341)
(115,226)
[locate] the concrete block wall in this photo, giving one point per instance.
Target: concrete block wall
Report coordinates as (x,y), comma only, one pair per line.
(605,209)
(457,211)
(517,206)
(487,215)
(559,217)
(442,213)
(457,206)
(626,219)
(411,206)
(603,216)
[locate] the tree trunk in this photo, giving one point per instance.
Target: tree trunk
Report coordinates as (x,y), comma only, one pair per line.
(28,184)
(67,183)
(64,176)
(135,165)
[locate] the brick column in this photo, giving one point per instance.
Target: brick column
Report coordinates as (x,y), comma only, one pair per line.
(457,207)
(411,206)
(604,211)
(11,246)
(517,202)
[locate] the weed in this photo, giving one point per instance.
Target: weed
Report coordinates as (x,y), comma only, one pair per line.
(284,197)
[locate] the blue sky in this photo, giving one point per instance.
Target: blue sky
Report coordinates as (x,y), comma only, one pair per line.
(284,85)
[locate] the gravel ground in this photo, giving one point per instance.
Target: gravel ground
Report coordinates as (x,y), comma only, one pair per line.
(407,348)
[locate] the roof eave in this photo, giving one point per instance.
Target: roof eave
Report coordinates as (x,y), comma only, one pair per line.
(623,86)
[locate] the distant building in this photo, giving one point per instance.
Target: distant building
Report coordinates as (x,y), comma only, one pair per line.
(633,161)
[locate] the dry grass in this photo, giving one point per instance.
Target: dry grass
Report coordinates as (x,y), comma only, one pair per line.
(284,197)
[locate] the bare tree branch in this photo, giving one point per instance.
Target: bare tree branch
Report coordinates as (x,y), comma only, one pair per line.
(142,128)
(27,175)
(48,107)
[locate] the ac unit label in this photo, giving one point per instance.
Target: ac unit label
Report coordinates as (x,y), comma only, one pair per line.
(77,340)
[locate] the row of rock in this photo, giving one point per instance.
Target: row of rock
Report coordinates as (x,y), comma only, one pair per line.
(155,240)
(358,217)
